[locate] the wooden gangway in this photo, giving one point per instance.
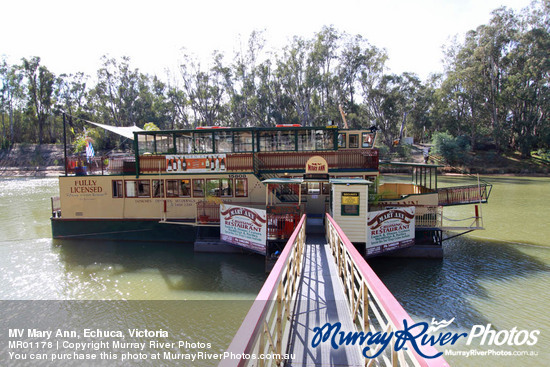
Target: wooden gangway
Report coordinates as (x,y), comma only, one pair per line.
(319,280)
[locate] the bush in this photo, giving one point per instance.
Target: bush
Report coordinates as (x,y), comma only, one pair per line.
(452,149)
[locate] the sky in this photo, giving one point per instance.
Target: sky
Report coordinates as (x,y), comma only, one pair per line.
(71,36)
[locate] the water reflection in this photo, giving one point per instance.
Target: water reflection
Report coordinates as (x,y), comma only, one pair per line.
(457,285)
(146,270)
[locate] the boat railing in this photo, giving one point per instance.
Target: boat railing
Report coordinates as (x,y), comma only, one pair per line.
(235,162)
(101,165)
(265,329)
(208,212)
(56,207)
(428,216)
(470,194)
(372,305)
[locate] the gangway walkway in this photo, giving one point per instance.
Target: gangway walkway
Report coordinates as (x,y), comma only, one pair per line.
(320,300)
(319,280)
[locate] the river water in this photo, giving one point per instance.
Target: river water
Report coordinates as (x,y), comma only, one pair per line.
(498,276)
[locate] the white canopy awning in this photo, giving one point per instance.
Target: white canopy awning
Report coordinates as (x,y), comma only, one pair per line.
(127,132)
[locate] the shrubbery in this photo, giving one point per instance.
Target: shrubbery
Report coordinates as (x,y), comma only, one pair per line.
(453,150)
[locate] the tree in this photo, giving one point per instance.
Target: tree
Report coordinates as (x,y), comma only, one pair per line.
(358,61)
(205,90)
(72,98)
(527,90)
(40,82)
(387,104)
(496,85)
(116,93)
(11,96)
(297,78)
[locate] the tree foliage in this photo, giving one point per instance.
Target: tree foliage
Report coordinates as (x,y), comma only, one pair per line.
(493,93)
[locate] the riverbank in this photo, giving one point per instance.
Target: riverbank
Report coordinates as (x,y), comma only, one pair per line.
(488,162)
(32,160)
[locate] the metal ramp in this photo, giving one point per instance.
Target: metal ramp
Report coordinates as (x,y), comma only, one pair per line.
(320,300)
(314,282)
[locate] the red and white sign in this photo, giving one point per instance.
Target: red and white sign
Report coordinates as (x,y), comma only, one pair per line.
(316,164)
(244,227)
(390,229)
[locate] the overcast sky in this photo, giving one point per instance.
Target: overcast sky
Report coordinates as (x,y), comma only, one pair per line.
(71,35)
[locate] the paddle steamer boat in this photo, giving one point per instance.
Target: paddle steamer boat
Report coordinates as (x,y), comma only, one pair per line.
(172,186)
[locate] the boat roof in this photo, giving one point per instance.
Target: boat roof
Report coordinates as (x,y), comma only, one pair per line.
(283,180)
(349,181)
(336,181)
(210,129)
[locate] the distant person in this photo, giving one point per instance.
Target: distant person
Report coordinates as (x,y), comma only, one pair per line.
(426,154)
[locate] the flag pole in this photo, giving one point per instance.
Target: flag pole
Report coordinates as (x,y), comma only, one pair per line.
(65,143)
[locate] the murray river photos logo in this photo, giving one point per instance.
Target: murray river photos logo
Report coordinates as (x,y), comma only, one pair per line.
(419,335)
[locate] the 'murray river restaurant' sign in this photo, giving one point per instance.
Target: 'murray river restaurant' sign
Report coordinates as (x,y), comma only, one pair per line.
(390,229)
(244,227)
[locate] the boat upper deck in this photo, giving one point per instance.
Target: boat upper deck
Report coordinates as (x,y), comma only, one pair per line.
(283,148)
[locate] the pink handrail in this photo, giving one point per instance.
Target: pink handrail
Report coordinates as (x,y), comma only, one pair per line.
(386,299)
(244,340)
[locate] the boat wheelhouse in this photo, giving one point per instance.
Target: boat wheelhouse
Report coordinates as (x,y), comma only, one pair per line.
(172,187)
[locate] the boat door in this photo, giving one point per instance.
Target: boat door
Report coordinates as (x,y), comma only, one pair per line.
(316,196)
(316,190)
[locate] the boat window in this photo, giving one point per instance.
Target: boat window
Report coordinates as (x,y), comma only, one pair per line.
(367,140)
(306,140)
(241,187)
(185,188)
(146,144)
(268,141)
(117,189)
(226,187)
(242,141)
(138,188)
(224,141)
(158,188)
(203,142)
(324,140)
(354,140)
(178,188)
(131,191)
(341,140)
(198,187)
(171,188)
(286,140)
(184,143)
(164,143)
(144,188)
(213,187)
